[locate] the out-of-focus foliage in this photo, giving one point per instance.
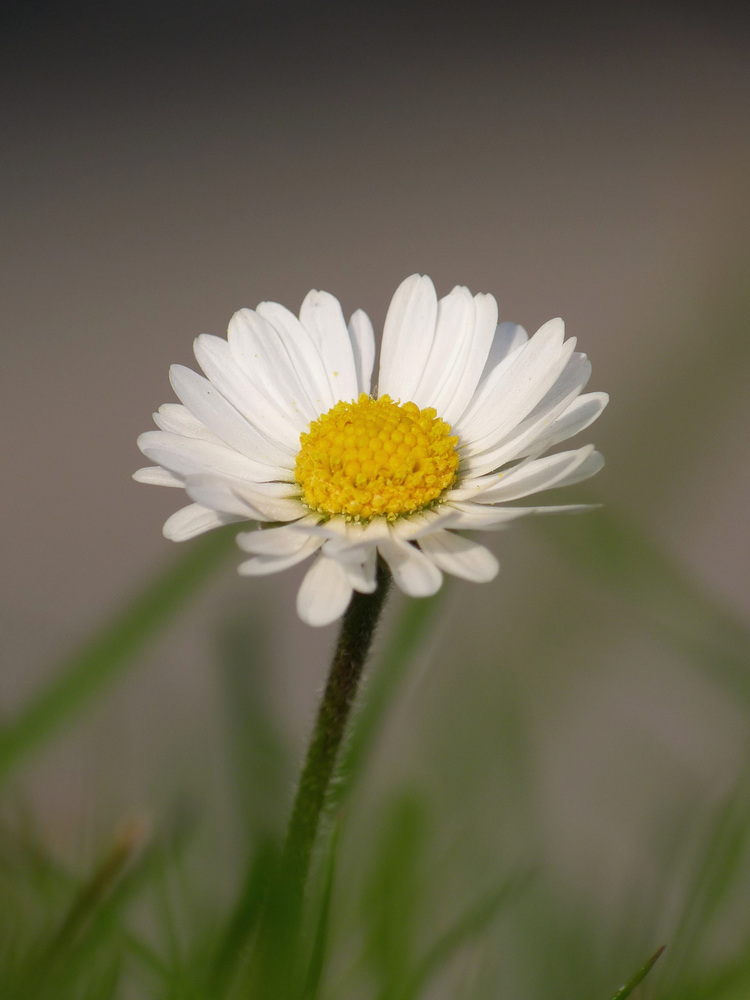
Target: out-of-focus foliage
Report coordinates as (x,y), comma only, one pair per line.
(398,908)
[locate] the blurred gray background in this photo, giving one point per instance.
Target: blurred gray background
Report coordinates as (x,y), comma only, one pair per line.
(165,165)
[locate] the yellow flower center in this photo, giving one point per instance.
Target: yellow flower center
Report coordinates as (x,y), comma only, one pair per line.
(374,456)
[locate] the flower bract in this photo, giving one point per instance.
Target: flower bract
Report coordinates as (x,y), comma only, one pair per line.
(288,430)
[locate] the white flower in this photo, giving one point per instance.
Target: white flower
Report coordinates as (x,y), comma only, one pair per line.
(287,430)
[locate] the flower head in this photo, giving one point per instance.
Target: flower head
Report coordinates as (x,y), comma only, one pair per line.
(287,431)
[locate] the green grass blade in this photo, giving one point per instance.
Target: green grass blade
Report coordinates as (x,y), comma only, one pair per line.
(88,671)
(393,662)
(146,957)
(232,952)
(468,926)
(259,759)
(716,874)
(127,844)
(612,552)
(638,978)
(316,964)
(731,981)
(395,885)
(88,941)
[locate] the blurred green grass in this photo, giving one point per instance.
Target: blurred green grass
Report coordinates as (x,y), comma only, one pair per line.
(399,929)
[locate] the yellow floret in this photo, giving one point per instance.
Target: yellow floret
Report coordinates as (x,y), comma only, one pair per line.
(374,456)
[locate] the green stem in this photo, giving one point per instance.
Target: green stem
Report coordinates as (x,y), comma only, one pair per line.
(355,638)
(279,971)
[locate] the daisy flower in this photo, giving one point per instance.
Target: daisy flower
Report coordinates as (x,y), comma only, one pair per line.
(288,430)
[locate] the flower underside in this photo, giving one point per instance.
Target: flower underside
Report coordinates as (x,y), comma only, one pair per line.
(376,457)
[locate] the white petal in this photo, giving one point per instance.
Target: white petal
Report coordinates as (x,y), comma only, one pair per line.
(454,328)
(561,469)
(362,337)
(531,434)
(194,520)
(209,407)
(246,393)
(359,564)
(217,493)
(325,592)
(577,417)
(412,570)
(588,468)
(487,518)
(506,346)
(193,456)
(322,317)
(463,336)
(408,334)
(154,475)
(335,527)
(482,339)
(508,338)
(571,381)
(177,419)
(510,396)
(423,522)
(274,489)
(282,541)
(261,352)
(362,575)
(265,565)
(304,353)
(270,501)
(355,535)
(253,501)
(460,556)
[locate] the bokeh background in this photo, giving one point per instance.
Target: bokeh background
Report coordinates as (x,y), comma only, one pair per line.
(164,165)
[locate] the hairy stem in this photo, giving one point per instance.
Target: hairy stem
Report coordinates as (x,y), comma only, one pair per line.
(279,973)
(355,638)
